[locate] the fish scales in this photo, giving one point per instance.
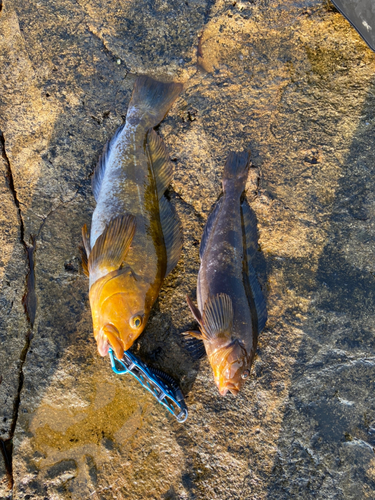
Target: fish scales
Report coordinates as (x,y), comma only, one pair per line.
(231,309)
(135,239)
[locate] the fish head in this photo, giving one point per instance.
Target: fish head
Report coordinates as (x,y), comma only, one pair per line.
(231,367)
(119,314)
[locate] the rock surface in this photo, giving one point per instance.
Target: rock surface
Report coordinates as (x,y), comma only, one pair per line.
(292,81)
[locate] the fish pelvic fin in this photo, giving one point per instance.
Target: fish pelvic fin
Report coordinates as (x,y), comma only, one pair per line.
(193,343)
(152,98)
(218,316)
(112,245)
(159,159)
(235,172)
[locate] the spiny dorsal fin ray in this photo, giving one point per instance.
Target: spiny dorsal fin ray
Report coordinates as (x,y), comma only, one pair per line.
(208,227)
(249,227)
(160,161)
(97,178)
(112,245)
(218,315)
(171,232)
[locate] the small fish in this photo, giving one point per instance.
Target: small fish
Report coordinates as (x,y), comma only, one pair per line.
(135,239)
(231,309)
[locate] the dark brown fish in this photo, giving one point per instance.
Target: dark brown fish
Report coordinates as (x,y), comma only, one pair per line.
(135,239)
(231,309)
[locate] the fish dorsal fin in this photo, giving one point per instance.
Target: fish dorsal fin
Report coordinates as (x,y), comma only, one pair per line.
(112,245)
(251,246)
(160,161)
(258,298)
(101,166)
(171,232)
(249,225)
(218,316)
(208,227)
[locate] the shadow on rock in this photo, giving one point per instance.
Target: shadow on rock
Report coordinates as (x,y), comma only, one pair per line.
(327,436)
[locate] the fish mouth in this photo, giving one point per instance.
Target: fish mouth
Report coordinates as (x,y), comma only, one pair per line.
(103,344)
(233,389)
(108,337)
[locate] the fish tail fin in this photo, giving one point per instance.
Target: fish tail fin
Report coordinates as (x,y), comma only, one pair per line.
(235,171)
(152,98)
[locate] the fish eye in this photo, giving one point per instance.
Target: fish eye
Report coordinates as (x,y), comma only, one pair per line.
(245,374)
(135,321)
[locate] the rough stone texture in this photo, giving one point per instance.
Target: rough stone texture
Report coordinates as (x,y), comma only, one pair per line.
(293,82)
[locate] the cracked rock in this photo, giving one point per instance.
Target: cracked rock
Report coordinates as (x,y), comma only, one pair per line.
(297,90)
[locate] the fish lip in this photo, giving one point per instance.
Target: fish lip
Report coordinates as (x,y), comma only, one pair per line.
(103,345)
(223,391)
(233,389)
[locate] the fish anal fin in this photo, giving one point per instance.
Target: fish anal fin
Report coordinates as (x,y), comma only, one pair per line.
(208,227)
(172,233)
(99,172)
(218,316)
(160,161)
(112,245)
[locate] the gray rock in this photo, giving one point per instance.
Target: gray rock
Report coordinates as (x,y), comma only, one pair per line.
(293,82)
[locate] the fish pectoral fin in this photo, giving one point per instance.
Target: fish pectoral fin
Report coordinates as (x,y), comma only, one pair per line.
(84,261)
(86,239)
(85,249)
(194,309)
(218,315)
(193,343)
(113,244)
(160,161)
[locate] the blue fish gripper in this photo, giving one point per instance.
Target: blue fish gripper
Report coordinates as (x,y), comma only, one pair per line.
(161,386)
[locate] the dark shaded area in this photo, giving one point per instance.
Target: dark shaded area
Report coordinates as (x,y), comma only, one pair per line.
(29,299)
(327,438)
(361,15)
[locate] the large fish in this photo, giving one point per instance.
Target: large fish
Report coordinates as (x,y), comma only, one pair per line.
(231,309)
(135,239)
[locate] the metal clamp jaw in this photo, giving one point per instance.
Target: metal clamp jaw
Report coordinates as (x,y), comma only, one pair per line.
(161,386)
